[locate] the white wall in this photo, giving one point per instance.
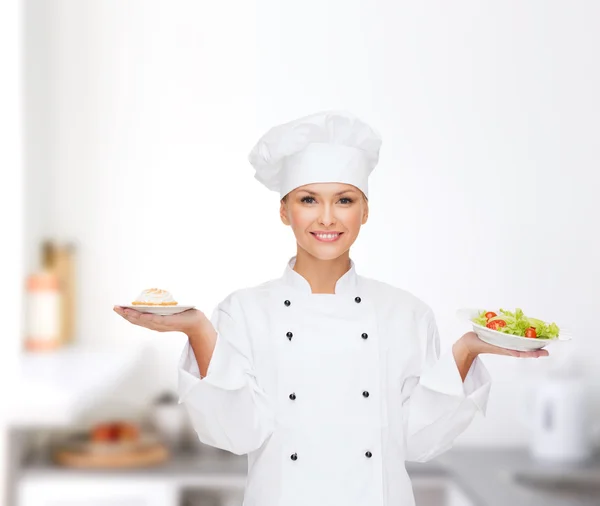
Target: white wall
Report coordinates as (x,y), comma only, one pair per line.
(485,193)
(11,211)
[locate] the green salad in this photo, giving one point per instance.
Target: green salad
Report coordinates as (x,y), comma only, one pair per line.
(517,324)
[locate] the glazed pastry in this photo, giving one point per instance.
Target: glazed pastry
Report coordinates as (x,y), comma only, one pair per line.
(154,297)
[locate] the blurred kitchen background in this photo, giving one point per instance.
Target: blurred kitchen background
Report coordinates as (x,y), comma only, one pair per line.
(136,118)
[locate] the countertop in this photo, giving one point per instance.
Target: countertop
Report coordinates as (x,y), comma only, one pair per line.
(484,475)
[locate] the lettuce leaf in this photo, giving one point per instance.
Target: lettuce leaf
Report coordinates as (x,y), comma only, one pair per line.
(481,319)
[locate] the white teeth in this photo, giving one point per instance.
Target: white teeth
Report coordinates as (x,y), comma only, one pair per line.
(327,236)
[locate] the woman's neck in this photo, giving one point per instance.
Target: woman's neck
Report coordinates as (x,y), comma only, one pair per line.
(322,275)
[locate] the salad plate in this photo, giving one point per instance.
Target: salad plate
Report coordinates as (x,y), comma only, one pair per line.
(512,330)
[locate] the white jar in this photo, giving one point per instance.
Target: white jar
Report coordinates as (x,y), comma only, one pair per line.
(560,421)
(169,420)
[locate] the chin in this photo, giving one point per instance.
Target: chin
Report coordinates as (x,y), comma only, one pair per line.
(327,253)
(328,256)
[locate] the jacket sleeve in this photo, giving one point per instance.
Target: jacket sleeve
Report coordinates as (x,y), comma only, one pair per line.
(228,409)
(437,405)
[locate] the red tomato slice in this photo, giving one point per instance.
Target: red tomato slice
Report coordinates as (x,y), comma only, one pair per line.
(496,324)
(490,314)
(530,332)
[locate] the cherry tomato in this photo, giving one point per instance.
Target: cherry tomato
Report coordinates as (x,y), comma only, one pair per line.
(530,332)
(490,314)
(496,324)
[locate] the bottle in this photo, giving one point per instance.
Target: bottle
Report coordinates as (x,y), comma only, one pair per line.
(42,324)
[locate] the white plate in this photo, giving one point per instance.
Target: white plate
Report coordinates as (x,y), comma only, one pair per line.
(508,341)
(160,310)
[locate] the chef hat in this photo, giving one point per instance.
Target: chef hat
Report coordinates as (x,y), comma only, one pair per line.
(327,147)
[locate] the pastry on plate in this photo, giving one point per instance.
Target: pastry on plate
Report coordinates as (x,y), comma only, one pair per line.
(154,297)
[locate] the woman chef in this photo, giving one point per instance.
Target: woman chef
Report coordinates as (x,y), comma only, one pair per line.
(328,380)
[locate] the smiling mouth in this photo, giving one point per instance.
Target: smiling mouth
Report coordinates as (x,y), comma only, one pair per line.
(327,237)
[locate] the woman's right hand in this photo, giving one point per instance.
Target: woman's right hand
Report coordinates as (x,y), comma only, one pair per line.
(189,322)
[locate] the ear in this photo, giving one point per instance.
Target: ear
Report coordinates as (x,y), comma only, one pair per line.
(365,216)
(283,213)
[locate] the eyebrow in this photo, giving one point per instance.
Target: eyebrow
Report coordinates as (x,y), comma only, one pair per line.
(335,195)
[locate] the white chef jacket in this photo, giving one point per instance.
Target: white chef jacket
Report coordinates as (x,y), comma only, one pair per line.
(329,394)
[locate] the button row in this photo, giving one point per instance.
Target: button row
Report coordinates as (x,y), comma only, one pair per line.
(356,299)
(293,395)
(294,456)
(289,335)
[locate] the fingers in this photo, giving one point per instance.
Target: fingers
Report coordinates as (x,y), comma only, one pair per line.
(147,320)
(128,314)
(528,354)
(541,353)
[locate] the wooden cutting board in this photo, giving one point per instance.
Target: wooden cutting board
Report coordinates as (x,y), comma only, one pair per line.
(130,457)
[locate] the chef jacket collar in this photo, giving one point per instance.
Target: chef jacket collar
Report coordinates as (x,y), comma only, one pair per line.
(346,284)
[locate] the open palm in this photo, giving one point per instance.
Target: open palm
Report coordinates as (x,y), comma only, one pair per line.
(180,322)
(477,346)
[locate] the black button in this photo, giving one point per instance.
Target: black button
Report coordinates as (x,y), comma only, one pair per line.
(368,455)
(365,394)
(287,302)
(364,335)
(293,396)
(289,335)
(357,299)
(294,456)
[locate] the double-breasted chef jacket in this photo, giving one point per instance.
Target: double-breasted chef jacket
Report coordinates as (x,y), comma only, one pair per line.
(329,394)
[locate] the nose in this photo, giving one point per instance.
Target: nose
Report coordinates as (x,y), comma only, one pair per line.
(326,218)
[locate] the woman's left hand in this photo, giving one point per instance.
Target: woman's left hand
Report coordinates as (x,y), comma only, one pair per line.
(476,346)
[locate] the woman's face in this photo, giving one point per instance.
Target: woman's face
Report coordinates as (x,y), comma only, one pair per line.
(325,217)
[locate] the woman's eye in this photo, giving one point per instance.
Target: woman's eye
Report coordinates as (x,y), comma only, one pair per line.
(307,199)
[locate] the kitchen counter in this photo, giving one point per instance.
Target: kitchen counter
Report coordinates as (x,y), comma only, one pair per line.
(484,475)
(487,478)
(214,464)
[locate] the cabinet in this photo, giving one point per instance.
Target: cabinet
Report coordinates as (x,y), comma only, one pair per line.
(92,491)
(127,491)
